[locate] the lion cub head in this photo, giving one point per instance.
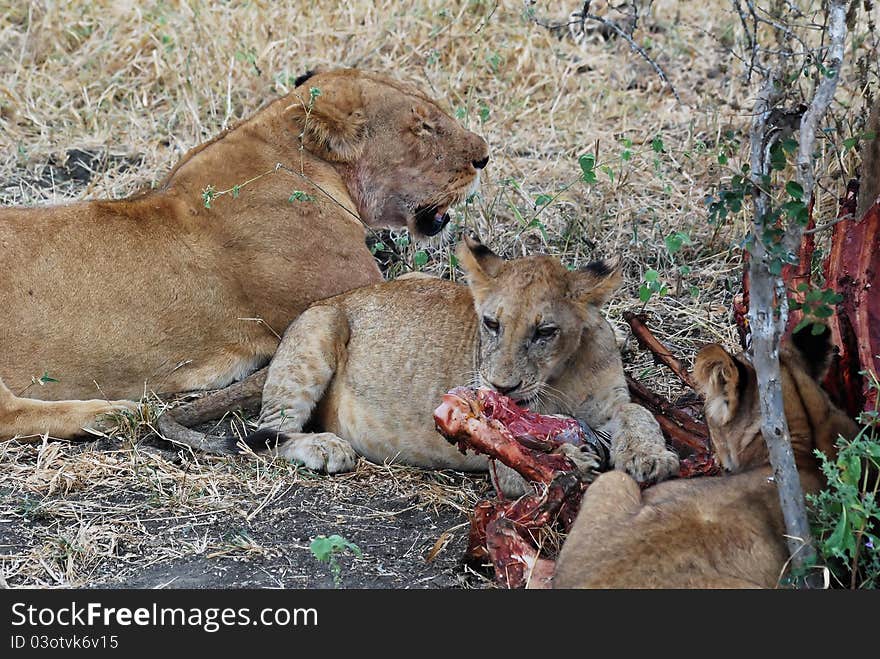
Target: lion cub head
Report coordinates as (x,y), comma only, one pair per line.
(532,314)
(404,159)
(730,387)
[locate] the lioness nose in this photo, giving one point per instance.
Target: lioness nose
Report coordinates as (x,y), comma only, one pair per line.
(479,164)
(505,390)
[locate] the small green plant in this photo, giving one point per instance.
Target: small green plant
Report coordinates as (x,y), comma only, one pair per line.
(652,286)
(327,549)
(817,307)
(845,514)
(299,195)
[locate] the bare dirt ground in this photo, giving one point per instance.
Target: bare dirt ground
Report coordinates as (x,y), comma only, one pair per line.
(100,100)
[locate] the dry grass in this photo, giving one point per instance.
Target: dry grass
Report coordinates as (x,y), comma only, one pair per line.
(141,83)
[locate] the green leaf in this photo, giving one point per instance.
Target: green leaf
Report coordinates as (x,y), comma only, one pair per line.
(795,189)
(789,145)
(420,259)
(651,276)
(543,200)
(674,241)
(644,293)
(657,145)
(837,540)
(852,469)
(801,325)
(588,164)
(299,195)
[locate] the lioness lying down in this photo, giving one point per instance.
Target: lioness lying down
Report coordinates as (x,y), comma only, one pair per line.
(189,286)
(712,532)
(367,368)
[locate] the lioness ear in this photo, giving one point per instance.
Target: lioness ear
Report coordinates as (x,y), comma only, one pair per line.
(595,282)
(718,377)
(331,122)
(479,262)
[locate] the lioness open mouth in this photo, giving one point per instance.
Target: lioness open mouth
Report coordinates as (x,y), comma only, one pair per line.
(430,220)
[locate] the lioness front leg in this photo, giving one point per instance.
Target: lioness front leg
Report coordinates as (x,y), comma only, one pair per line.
(298,375)
(63,419)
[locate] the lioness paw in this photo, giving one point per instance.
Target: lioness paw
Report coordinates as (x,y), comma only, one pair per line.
(98,414)
(324,452)
(649,464)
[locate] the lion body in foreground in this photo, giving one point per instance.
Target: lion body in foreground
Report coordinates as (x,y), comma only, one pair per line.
(170,290)
(366,369)
(711,532)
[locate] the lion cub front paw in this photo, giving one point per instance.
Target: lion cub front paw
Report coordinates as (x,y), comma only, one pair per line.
(649,464)
(324,452)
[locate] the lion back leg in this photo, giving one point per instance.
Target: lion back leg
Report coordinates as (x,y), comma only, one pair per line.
(64,419)
(298,376)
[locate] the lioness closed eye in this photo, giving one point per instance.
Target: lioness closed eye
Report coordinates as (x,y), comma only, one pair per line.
(187,286)
(718,532)
(368,367)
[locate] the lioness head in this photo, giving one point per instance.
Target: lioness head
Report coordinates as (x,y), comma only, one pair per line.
(732,409)
(404,159)
(532,315)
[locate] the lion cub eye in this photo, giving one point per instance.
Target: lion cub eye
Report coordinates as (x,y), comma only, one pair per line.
(491,324)
(546,332)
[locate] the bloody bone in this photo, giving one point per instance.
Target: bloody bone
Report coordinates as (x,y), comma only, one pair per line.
(488,422)
(681,430)
(661,353)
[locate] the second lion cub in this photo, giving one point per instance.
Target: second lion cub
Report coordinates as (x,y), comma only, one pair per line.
(712,532)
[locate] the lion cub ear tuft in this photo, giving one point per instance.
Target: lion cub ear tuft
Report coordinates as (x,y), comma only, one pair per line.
(479,262)
(332,122)
(720,379)
(595,282)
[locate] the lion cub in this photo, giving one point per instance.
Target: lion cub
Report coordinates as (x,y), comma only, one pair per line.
(718,532)
(368,367)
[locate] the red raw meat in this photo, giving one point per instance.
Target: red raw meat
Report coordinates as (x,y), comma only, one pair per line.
(504,532)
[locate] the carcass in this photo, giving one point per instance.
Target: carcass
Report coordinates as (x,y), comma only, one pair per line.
(513,535)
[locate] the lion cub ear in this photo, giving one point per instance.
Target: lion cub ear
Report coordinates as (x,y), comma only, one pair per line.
(595,282)
(479,262)
(331,122)
(718,377)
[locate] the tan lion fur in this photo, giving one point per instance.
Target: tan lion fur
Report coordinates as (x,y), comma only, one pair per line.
(711,532)
(159,292)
